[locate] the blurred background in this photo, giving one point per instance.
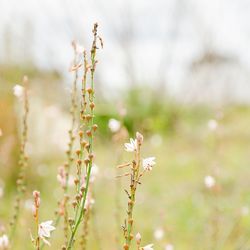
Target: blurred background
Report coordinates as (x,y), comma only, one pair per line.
(194,50)
(178,71)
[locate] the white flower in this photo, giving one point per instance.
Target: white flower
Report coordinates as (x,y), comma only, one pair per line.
(44,230)
(209,181)
(4,242)
(18,90)
(158,234)
(148,163)
(169,247)
(212,124)
(132,146)
(148,247)
(114,125)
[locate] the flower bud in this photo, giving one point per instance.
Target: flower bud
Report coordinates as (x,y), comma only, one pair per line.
(88,117)
(89,133)
(89,90)
(138,238)
(92,105)
(95,126)
(80,133)
(139,138)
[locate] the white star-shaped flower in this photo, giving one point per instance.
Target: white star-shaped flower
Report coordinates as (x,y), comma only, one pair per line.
(44,230)
(148,247)
(148,163)
(131,146)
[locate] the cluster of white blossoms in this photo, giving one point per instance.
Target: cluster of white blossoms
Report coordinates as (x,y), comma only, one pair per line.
(131,146)
(44,230)
(4,242)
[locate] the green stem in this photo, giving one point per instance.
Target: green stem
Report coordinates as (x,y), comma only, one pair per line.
(90,151)
(131,203)
(82,210)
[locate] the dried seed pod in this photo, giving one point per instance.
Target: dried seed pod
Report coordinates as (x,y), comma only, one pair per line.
(92,105)
(80,133)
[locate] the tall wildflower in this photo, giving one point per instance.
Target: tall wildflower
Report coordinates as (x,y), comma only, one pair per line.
(64,171)
(137,169)
(87,128)
(21,92)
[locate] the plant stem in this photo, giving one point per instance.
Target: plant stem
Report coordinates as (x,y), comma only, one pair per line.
(23,160)
(131,203)
(90,150)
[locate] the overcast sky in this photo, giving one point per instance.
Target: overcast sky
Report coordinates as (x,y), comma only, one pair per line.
(164,36)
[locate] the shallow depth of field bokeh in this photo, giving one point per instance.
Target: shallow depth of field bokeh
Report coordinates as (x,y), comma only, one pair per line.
(180,81)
